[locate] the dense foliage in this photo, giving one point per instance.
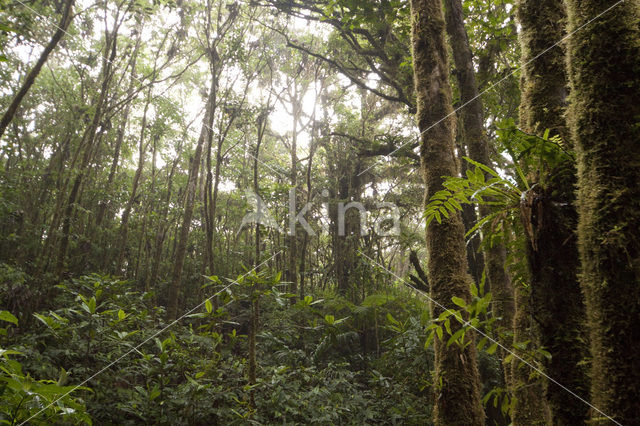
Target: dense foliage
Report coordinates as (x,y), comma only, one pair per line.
(214,212)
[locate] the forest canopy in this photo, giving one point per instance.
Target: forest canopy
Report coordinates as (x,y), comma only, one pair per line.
(320,212)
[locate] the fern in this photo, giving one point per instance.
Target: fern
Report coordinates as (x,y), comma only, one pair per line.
(474,188)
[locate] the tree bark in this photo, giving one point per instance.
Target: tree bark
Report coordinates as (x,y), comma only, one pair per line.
(65,21)
(292,238)
(102,207)
(456,371)
(162,220)
(548,209)
(476,141)
(603,67)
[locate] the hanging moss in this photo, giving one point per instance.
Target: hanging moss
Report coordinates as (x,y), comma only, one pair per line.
(556,301)
(604,70)
(456,371)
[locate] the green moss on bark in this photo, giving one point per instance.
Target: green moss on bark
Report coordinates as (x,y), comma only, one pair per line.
(556,301)
(475,139)
(456,371)
(604,70)
(530,407)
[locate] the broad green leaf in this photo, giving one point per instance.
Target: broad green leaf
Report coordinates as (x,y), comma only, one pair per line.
(459,301)
(8,317)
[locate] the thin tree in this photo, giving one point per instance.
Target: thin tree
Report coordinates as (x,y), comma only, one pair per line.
(189,201)
(61,30)
(194,167)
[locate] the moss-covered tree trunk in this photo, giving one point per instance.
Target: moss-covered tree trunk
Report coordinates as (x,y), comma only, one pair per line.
(604,116)
(529,405)
(548,210)
(477,144)
(456,381)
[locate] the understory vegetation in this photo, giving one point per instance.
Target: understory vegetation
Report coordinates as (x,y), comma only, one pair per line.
(335,212)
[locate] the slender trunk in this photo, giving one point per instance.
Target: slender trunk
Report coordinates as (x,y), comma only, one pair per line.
(124,225)
(262,127)
(65,21)
(549,211)
(305,241)
(476,141)
(253,330)
(456,370)
(88,140)
(292,266)
(603,66)
(209,207)
(161,232)
(102,208)
(189,201)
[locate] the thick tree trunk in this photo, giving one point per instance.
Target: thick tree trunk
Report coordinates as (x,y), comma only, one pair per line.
(530,406)
(604,64)
(65,21)
(456,370)
(549,211)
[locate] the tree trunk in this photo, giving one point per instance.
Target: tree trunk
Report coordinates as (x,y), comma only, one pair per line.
(529,407)
(305,237)
(103,205)
(603,64)
(88,140)
(549,211)
(209,203)
(189,201)
(292,240)
(475,139)
(65,21)
(124,225)
(457,380)
(162,220)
